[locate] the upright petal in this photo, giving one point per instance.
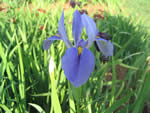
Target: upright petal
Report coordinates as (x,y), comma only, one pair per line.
(47,43)
(90,27)
(62,32)
(77,26)
(81,43)
(78,68)
(105,46)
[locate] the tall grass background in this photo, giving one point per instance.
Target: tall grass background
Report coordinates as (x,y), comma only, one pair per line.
(27,87)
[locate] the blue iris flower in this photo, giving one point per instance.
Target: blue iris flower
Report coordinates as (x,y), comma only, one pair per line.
(78,62)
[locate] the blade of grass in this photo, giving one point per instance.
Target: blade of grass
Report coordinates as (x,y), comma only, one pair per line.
(37,107)
(3,62)
(54,95)
(21,78)
(6,109)
(113,81)
(118,103)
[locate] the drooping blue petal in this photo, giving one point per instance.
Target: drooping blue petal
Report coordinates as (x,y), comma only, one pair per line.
(105,46)
(62,32)
(77,26)
(47,43)
(90,27)
(78,68)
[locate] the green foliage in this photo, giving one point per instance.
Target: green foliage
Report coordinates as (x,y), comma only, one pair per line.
(25,83)
(140,12)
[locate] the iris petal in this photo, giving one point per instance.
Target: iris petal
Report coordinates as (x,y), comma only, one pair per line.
(77,26)
(78,68)
(47,43)
(105,46)
(90,27)
(62,32)
(82,43)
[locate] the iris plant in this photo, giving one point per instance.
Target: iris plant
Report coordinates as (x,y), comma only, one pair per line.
(78,61)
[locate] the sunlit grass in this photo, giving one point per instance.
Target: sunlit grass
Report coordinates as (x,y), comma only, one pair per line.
(140,9)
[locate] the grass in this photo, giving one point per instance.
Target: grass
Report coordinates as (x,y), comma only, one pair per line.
(140,9)
(25,83)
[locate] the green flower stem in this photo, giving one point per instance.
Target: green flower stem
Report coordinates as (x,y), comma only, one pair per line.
(54,95)
(71,100)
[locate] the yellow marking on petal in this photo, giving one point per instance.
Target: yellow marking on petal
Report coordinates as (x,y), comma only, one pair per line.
(57,35)
(79,50)
(97,36)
